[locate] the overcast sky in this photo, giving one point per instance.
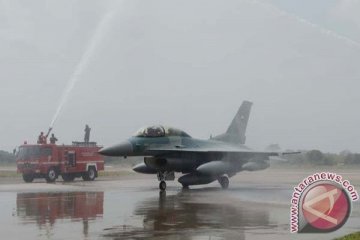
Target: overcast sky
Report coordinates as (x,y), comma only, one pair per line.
(187,64)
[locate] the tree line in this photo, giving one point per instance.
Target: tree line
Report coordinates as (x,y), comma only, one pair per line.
(316,157)
(6,157)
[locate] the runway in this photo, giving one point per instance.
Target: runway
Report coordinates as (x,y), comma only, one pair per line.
(256,206)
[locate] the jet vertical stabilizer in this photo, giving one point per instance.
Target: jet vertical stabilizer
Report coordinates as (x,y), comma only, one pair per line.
(237,129)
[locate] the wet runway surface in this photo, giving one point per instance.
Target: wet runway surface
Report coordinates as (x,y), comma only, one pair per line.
(135,209)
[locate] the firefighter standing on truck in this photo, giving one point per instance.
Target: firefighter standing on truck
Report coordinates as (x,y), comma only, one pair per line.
(53,139)
(87,133)
(41,138)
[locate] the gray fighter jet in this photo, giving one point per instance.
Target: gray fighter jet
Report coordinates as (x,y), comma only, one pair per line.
(168,150)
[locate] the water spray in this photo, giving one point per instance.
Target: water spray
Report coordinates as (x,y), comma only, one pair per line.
(301,20)
(85,59)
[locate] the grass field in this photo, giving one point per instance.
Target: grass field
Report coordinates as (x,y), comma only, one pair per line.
(9,174)
(352,236)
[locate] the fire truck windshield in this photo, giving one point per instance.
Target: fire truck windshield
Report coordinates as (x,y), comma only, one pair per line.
(33,152)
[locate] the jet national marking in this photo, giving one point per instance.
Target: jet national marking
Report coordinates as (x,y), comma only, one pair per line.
(168,150)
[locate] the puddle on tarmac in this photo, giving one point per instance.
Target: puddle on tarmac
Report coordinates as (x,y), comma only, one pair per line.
(180,215)
(142,213)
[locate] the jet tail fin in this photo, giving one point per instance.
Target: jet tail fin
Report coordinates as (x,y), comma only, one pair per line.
(237,129)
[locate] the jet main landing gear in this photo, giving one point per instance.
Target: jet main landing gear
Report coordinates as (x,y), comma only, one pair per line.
(224,182)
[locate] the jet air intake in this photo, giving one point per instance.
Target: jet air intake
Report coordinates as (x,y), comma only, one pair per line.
(142,168)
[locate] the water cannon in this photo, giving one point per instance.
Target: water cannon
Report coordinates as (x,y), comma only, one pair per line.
(50,128)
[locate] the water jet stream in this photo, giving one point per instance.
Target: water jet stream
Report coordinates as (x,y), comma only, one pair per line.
(306,22)
(86,58)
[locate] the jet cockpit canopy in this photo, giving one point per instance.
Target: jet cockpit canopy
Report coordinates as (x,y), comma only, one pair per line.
(160,131)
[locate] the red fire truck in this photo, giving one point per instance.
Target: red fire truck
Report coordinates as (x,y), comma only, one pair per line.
(50,161)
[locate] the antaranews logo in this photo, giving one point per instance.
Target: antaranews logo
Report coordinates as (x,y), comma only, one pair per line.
(321,203)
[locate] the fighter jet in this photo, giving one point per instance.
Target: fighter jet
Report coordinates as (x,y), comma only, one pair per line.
(167,150)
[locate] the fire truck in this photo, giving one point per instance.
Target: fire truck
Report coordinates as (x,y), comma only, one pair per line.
(81,159)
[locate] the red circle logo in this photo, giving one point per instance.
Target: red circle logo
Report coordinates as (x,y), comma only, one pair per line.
(326,207)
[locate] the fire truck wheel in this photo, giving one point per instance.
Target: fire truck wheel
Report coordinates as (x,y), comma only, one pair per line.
(68,177)
(51,175)
(28,177)
(90,175)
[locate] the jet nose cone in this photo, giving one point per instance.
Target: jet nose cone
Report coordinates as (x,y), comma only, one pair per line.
(121,149)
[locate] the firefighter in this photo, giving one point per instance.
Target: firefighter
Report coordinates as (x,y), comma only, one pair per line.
(87,133)
(53,139)
(41,138)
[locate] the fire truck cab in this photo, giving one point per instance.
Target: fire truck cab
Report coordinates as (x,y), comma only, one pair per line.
(50,161)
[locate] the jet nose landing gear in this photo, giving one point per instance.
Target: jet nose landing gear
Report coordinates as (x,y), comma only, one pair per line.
(162,176)
(162,185)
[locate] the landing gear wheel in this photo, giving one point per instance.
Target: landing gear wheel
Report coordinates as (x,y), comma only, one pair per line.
(162,185)
(51,175)
(68,177)
(185,187)
(224,182)
(28,177)
(90,175)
